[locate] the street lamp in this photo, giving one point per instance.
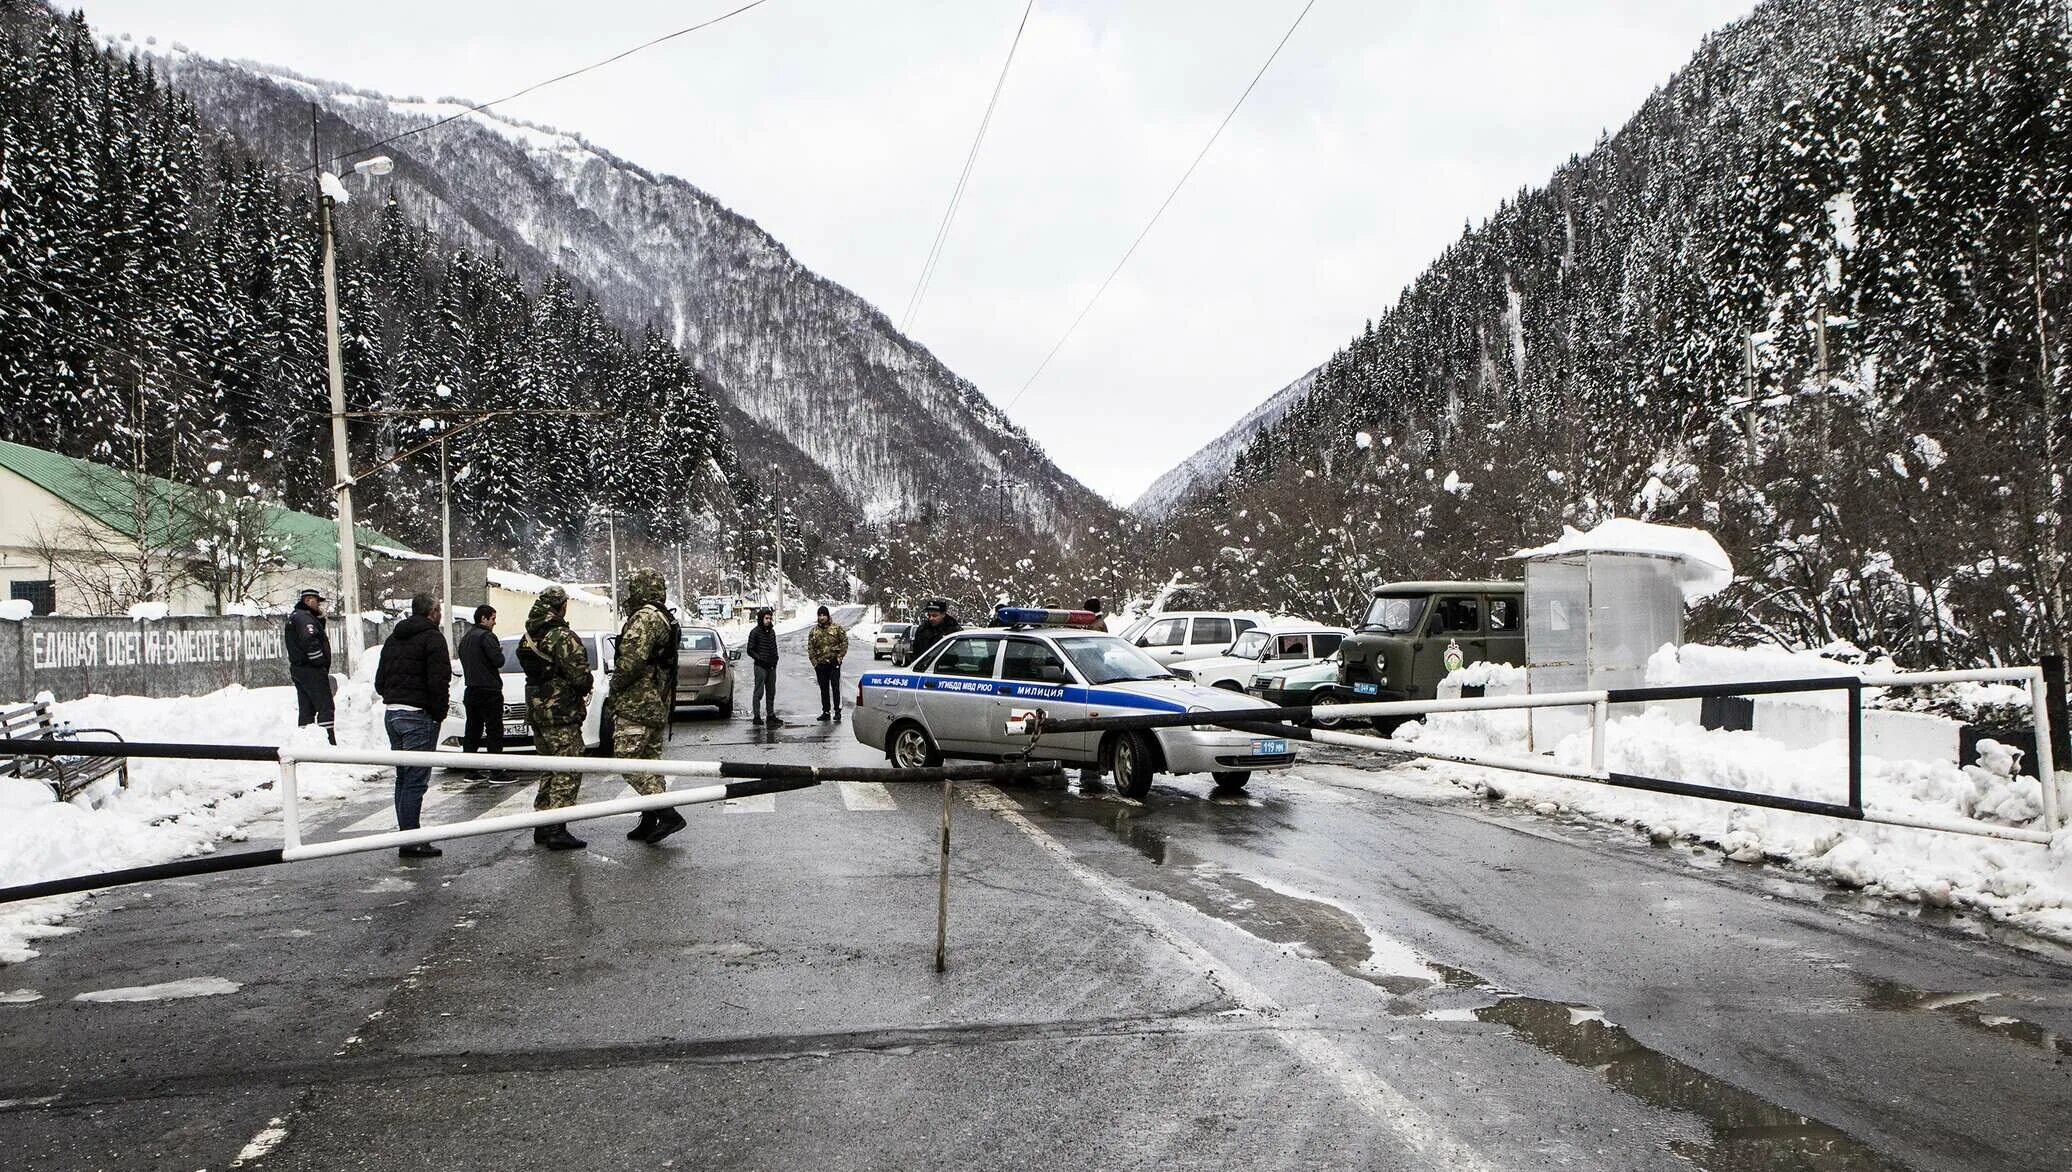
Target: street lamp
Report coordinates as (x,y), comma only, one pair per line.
(778,524)
(331,191)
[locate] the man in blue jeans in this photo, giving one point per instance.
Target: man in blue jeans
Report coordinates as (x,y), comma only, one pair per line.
(415,680)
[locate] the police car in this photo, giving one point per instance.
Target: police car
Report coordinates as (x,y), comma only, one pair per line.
(961,697)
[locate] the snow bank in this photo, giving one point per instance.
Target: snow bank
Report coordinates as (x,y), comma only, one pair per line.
(524,583)
(2024,884)
(149,611)
(14,610)
(1706,569)
(171,809)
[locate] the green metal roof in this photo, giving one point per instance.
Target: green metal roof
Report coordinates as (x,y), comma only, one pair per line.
(100,491)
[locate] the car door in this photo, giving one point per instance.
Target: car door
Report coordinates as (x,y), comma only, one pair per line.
(1033,675)
(957,695)
(1209,635)
(1455,621)
(1166,640)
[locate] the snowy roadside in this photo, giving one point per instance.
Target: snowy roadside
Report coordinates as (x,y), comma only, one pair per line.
(172,809)
(2024,884)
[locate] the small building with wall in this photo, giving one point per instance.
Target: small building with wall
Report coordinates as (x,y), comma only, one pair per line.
(512,593)
(82,538)
(1599,605)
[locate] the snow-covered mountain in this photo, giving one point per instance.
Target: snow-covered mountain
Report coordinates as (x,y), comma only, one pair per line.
(821,372)
(1207,467)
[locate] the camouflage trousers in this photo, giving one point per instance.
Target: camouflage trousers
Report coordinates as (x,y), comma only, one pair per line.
(557,740)
(639,740)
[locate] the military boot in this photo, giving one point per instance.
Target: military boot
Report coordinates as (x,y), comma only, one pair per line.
(645,827)
(557,838)
(667,822)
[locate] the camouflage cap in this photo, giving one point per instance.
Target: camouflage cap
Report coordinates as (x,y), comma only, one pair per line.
(645,585)
(554,597)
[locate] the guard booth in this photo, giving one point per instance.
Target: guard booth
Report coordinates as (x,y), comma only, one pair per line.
(1599,604)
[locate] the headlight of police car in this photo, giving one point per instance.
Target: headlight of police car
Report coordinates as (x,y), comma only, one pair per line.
(1204,727)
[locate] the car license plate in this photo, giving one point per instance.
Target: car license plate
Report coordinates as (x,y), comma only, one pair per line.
(1269,748)
(517,729)
(1367,689)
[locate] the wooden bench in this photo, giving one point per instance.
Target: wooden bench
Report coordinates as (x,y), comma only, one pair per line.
(65,773)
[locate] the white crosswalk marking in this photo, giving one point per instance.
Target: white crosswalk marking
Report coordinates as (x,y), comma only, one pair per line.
(384,815)
(865,795)
(754,804)
(518,801)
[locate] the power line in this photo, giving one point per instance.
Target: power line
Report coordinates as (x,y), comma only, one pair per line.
(536,86)
(1161,208)
(942,230)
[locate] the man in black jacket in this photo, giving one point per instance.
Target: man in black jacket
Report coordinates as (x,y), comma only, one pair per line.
(309,663)
(936,622)
(415,680)
(482,697)
(762,648)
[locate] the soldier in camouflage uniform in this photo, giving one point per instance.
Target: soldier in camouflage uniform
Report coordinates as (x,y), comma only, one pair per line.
(557,698)
(643,693)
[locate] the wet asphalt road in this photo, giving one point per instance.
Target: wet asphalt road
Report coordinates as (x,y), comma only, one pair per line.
(1342,968)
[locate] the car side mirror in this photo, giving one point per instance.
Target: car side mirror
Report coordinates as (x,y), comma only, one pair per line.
(734,655)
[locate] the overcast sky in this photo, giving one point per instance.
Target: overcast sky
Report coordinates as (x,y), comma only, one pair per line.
(840,127)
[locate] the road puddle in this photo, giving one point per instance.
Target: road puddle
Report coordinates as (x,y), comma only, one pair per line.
(1747,1133)
(1984,1011)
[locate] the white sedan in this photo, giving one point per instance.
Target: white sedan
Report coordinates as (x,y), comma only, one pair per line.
(1272,647)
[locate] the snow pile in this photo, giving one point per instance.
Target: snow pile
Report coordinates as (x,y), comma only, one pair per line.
(2022,883)
(1706,569)
(14,610)
(171,809)
(246,608)
(523,583)
(149,611)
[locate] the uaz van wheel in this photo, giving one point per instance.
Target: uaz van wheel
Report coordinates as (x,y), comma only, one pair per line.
(1130,757)
(912,748)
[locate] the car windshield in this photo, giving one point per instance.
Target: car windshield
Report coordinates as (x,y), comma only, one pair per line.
(1396,614)
(1105,659)
(1249,645)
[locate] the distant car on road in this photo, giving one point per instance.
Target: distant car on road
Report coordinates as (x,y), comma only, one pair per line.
(1175,637)
(886,642)
(703,669)
(958,700)
(517,730)
(1281,643)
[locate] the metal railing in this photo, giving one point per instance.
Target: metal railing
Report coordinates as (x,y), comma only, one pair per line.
(749,779)
(1266,721)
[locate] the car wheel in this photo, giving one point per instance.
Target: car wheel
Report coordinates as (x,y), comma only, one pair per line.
(1232,778)
(726,709)
(912,748)
(1326,722)
(1130,758)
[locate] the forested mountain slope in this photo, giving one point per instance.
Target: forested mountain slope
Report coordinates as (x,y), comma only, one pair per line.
(892,428)
(1874,202)
(160,310)
(1207,467)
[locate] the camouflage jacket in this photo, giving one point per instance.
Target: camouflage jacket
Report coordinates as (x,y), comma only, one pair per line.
(826,644)
(640,675)
(564,698)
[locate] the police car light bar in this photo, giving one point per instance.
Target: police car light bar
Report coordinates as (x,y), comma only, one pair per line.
(1036,616)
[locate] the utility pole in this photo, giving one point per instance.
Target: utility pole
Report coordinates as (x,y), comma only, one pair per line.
(2053,556)
(1748,392)
(341,466)
(611,530)
(445,546)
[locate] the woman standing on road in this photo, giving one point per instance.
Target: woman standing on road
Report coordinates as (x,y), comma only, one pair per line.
(826,644)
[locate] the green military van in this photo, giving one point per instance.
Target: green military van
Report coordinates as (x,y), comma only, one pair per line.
(1414,633)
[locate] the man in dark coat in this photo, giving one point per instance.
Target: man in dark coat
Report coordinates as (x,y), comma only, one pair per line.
(936,622)
(309,663)
(762,648)
(482,696)
(415,681)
